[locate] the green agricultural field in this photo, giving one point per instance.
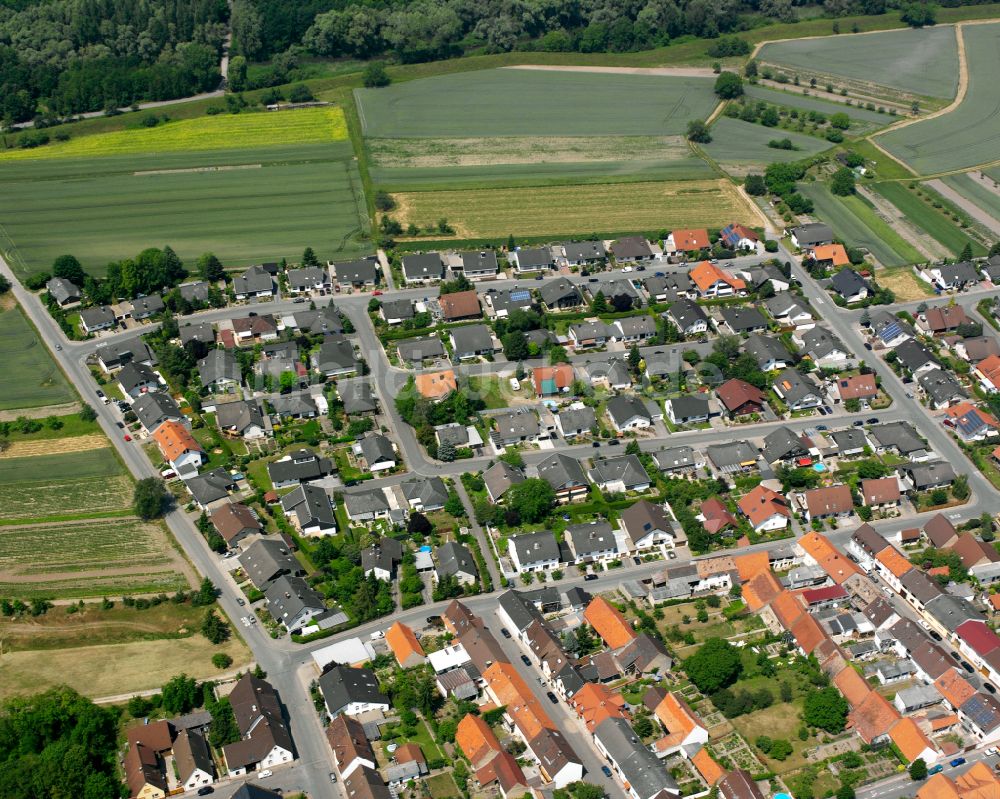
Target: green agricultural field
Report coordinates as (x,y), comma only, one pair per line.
(30,377)
(575,210)
(743,143)
(856,223)
(969,135)
(244,204)
(975,192)
(922,62)
(524,102)
(928,218)
(861,118)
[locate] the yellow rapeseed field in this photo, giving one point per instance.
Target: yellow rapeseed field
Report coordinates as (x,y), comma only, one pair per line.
(221,132)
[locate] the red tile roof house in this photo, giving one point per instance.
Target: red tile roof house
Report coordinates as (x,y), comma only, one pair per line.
(829,502)
(881,494)
(740,398)
(552,380)
(716,516)
(859,387)
(682,242)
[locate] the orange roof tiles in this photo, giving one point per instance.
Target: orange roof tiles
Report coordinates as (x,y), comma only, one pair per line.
(893,560)
(476,740)
(522,705)
(690,239)
(609,623)
(705,275)
(761,590)
(831,252)
(787,607)
(436,385)
(857,387)
(707,767)
(954,688)
(459,305)
(989,368)
(174,440)
(808,634)
(995,601)
(829,559)
(963,408)
(938,787)
(677,719)
(761,503)
(853,686)
(561,377)
(596,702)
(749,566)
(873,717)
(911,741)
(979,782)
(944,722)
(404,645)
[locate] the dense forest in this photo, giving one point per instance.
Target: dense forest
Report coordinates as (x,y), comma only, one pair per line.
(61,57)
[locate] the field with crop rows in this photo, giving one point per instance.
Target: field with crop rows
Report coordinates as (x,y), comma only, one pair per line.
(220,132)
(30,378)
(922,62)
(969,135)
(856,222)
(573,210)
(43,499)
(738,143)
(974,191)
(525,102)
(929,219)
(246,206)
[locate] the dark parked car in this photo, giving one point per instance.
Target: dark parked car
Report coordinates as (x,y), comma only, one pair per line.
(606,770)
(958,761)
(205,790)
(525,661)
(873,420)
(967,667)
(505,632)
(858,423)
(989,687)
(590,577)
(121,425)
(552,697)
(614,442)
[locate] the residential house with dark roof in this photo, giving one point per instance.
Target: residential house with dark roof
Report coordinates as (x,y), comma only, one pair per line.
(97,318)
(460,305)
(360,273)
(455,560)
(689,317)
(235,522)
(677,459)
(136,379)
(418,350)
(335,358)
(732,457)
(632,249)
(308,279)
(915,357)
(591,541)
(797,390)
(155,408)
(620,474)
(243,418)
(531,260)
(825,349)
(739,398)
(770,353)
(949,277)
(254,282)
(927,476)
(688,409)
(647,525)
(505,301)
(533,552)
(743,321)
(425,267)
(515,426)
(377,451)
(476,265)
(382,558)
(351,692)
(366,505)
(789,310)
(425,494)
(472,341)
(268,559)
(309,509)
(566,476)
(575,422)
(114,355)
(941,388)
(219,370)
(578,253)
(299,466)
(628,412)
(499,478)
(395,312)
(63,291)
(850,286)
(889,329)
(811,235)
(639,769)
(293,603)
(785,446)
(265,739)
(560,294)
(591,333)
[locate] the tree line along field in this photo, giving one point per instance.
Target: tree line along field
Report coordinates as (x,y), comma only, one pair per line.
(986,198)
(922,62)
(246,204)
(30,378)
(928,218)
(862,119)
(970,134)
(607,209)
(736,143)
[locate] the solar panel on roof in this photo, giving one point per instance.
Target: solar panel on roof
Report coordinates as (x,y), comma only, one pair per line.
(981,712)
(520,294)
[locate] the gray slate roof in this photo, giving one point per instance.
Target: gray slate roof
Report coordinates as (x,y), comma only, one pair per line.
(218,365)
(423,266)
(642,769)
(431,491)
(342,685)
(415,350)
(627,468)
(562,471)
(472,338)
(454,558)
(254,281)
(500,477)
(266,559)
(560,291)
(289,596)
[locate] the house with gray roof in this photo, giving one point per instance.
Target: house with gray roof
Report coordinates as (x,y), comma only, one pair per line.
(377,452)
(688,409)
(424,267)
(949,277)
(689,317)
(476,264)
(116,354)
(147,307)
(533,552)
(366,505)
(782,445)
(811,235)
(928,476)
(630,249)
(742,321)
(628,412)
(455,560)
(418,350)
(243,418)
(890,329)
(899,437)
(574,422)
(254,282)
(613,373)
(208,489)
(202,332)
(297,405)
(268,559)
(850,442)
(648,525)
(219,370)
(676,459)
(578,253)
(941,388)
(505,301)
(770,353)
(425,493)
(97,318)
(458,436)
(300,466)
(620,474)
(515,427)
(531,259)
(732,457)
(472,341)
(915,357)
(850,286)
(359,273)
(565,475)
(637,766)
(797,390)
(395,312)
(382,558)
(592,333)
(670,286)
(194,292)
(63,291)
(156,407)
(825,349)
(789,310)
(293,603)
(357,396)
(335,358)
(351,692)
(499,478)
(326,320)
(136,379)
(309,509)
(591,541)
(560,294)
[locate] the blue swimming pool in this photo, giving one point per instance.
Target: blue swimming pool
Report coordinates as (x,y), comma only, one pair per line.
(817,467)
(425,549)
(782,796)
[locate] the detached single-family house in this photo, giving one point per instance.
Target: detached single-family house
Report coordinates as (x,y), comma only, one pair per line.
(591,541)
(832,501)
(850,286)
(425,267)
(881,494)
(858,387)
(531,260)
(689,317)
(455,560)
(254,282)
(560,294)
(136,379)
(579,253)
(613,374)
(307,280)
(395,312)
(366,505)
(243,418)
(950,277)
(635,329)
(941,388)
(293,603)
(711,281)
(459,306)
(811,235)
(425,494)
(515,427)
(647,525)
(351,691)
(417,350)
(628,412)
(743,321)
(788,310)
(550,381)
(97,318)
(156,407)
(335,358)
(685,241)
(264,737)
(309,509)
(472,341)
(499,478)
(691,409)
(115,355)
(632,249)
(620,474)
(739,237)
(766,509)
(942,319)
(179,448)
(770,353)
(970,423)
(235,522)
(833,255)
(533,552)
(377,451)
(889,329)
(797,390)
(739,398)
(732,457)
(565,475)
(63,291)
(219,371)
(825,349)
(360,274)
(593,333)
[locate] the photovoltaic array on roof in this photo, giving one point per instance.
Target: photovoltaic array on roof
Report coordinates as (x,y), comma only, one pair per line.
(520,295)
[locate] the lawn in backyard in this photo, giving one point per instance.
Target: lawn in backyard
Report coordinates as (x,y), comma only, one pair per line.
(31,378)
(919,61)
(969,135)
(928,218)
(442,786)
(606,210)
(974,191)
(737,142)
(903,283)
(856,223)
(526,102)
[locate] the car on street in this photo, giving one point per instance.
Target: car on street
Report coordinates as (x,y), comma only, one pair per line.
(606,771)
(626,269)
(989,687)
(595,444)
(614,442)
(376,293)
(205,790)
(822,411)
(128,437)
(822,428)
(828,409)
(505,632)
(59,347)
(552,697)
(590,577)
(936,770)
(265,773)
(640,269)
(858,423)
(868,346)
(873,420)
(593,280)
(909,395)
(121,425)
(958,761)
(967,667)
(100,393)
(525,660)
(992,750)
(435,621)
(298,300)
(333,776)
(240,601)
(377,634)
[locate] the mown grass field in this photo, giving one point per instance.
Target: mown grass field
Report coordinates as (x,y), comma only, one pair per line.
(924,61)
(571,210)
(969,135)
(245,205)
(30,378)
(524,102)
(929,219)
(975,192)
(220,132)
(856,222)
(738,143)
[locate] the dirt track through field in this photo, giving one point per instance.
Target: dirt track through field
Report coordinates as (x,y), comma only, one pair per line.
(48,446)
(928,247)
(973,210)
(666,72)
(40,413)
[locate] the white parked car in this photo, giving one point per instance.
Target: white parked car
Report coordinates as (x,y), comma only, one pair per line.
(266,773)
(626,268)
(378,634)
